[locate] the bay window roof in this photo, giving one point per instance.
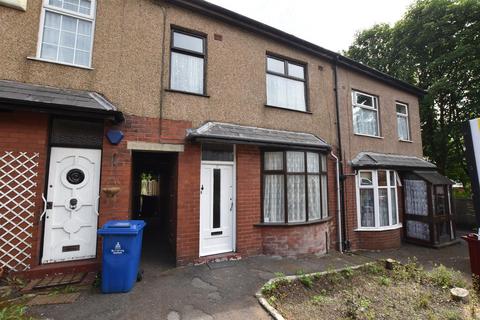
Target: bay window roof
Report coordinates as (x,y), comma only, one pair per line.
(394,161)
(232,133)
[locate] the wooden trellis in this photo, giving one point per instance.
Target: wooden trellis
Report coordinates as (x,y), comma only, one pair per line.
(18,172)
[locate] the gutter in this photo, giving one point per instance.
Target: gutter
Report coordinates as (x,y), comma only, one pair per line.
(341,220)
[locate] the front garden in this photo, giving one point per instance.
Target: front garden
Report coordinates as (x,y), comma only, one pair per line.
(372,292)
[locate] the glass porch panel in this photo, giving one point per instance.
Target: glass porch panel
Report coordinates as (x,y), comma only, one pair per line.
(418,230)
(416,197)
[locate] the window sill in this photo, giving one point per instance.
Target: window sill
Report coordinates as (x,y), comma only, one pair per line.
(407,141)
(188,93)
(292,224)
(367,136)
(287,109)
(60,63)
(368,229)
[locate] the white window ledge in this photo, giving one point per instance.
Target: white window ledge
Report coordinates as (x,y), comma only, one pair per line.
(61,63)
(409,141)
(368,135)
(394,227)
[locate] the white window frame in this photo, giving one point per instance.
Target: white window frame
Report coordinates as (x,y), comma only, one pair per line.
(406,116)
(374,108)
(376,200)
(47,7)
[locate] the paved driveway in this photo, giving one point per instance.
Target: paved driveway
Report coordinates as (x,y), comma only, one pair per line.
(224,290)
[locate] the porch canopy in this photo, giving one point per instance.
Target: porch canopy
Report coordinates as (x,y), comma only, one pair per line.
(390,161)
(433,177)
(216,132)
(18,96)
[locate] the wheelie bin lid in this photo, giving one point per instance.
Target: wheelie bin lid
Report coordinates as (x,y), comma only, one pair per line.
(126,227)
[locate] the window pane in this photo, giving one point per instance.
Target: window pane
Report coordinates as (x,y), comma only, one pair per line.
(324,196)
(296,198)
(393,180)
(324,163)
(49,52)
(287,93)
(52,20)
(295,161)
(402,127)
(273,160)
(366,179)
(383,206)
(83,43)
(217,152)
(313,164)
(367,208)
(393,206)
(67,39)
(418,230)
(275,65)
(80,6)
(84,27)
(382,178)
(365,121)
(51,36)
(82,58)
(364,100)
(187,42)
(273,201)
(65,55)
(186,73)
(401,109)
(69,24)
(314,197)
(416,201)
(296,71)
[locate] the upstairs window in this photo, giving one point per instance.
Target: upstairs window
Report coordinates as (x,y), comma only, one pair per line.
(286,85)
(365,114)
(294,186)
(403,127)
(67,31)
(187,63)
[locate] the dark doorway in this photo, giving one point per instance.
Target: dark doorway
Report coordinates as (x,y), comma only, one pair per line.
(154,200)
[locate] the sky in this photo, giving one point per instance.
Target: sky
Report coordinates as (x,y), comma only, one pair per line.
(328,23)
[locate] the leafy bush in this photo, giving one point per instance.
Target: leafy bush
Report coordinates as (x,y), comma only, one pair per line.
(444,277)
(306,280)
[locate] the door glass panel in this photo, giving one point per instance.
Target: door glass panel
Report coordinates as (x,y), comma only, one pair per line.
(217,152)
(216,197)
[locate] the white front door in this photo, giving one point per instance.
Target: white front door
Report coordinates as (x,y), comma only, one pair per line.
(72,205)
(216,209)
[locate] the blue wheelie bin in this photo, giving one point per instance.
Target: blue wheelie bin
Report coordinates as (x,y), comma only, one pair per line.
(122,246)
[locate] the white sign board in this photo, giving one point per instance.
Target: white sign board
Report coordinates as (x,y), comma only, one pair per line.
(475,131)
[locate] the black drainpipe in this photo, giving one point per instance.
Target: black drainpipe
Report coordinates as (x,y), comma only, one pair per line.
(346,242)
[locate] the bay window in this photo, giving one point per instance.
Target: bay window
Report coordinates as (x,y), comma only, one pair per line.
(294,186)
(286,85)
(403,128)
(365,114)
(187,62)
(377,199)
(67,32)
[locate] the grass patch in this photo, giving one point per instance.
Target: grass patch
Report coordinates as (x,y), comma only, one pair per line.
(373,292)
(14,312)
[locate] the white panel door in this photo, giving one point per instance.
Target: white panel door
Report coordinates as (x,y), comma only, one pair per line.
(216,209)
(72,205)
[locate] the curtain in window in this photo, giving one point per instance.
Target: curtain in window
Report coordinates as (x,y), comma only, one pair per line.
(314,198)
(273,160)
(186,73)
(365,121)
(367,208)
(402,125)
(296,198)
(313,162)
(383,206)
(393,196)
(324,197)
(418,230)
(284,92)
(416,201)
(295,161)
(273,201)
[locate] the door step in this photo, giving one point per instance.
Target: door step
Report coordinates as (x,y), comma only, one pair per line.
(223,257)
(80,279)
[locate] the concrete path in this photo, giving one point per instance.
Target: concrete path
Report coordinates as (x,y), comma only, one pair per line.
(224,290)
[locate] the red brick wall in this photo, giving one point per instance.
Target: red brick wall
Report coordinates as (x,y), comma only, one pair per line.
(291,241)
(27,132)
(188,204)
(248,204)
(379,240)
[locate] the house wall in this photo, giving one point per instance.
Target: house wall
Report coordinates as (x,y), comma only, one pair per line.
(127,69)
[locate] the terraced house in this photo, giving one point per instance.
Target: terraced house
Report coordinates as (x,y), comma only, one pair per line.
(229,137)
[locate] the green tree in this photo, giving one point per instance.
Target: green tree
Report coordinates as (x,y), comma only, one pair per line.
(436,46)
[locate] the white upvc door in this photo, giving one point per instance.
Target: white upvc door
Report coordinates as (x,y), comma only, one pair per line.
(72,205)
(217,209)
